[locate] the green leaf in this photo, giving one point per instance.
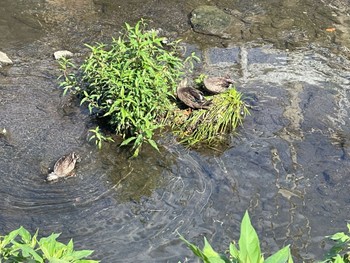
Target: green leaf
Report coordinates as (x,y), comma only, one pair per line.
(196,250)
(249,242)
(209,251)
(127,141)
(212,255)
(338,259)
(27,251)
(81,254)
(340,236)
(9,238)
(234,251)
(25,235)
(57,260)
(49,245)
(281,256)
(70,247)
(88,261)
(153,144)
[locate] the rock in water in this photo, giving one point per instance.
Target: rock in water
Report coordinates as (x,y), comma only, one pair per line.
(210,20)
(4,59)
(62,53)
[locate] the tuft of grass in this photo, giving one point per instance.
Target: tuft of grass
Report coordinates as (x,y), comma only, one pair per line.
(225,114)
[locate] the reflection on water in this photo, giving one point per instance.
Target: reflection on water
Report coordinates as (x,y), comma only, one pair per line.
(288,165)
(17,24)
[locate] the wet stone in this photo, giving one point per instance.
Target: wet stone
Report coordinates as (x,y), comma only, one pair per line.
(211,20)
(62,54)
(315,104)
(4,59)
(226,56)
(258,55)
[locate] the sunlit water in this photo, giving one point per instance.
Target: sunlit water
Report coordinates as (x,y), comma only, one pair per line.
(288,165)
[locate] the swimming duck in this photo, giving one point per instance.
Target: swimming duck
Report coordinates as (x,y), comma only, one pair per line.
(191,97)
(217,84)
(64,167)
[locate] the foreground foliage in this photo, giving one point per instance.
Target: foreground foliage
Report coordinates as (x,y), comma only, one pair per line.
(340,252)
(248,249)
(130,82)
(20,246)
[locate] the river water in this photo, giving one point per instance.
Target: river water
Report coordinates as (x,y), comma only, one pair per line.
(288,165)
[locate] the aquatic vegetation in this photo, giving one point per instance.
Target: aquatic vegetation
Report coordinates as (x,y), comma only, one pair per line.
(130,82)
(248,249)
(20,246)
(227,111)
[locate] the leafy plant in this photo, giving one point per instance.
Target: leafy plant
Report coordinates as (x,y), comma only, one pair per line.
(340,251)
(226,112)
(248,250)
(68,79)
(20,246)
(130,82)
(99,137)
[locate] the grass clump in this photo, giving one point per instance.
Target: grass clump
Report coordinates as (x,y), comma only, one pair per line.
(226,112)
(130,82)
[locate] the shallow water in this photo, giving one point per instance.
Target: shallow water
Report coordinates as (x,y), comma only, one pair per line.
(288,165)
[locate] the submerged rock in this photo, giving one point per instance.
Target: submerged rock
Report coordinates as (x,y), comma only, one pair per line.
(213,21)
(4,59)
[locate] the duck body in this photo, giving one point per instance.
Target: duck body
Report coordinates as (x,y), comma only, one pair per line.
(217,85)
(192,97)
(64,167)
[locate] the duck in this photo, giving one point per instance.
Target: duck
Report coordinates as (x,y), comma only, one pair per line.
(192,97)
(217,85)
(64,167)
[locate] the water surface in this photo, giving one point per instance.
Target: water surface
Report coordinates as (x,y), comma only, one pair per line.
(288,165)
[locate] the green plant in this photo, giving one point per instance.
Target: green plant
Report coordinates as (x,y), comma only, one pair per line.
(20,246)
(226,112)
(247,252)
(130,82)
(340,251)
(200,79)
(99,137)
(69,80)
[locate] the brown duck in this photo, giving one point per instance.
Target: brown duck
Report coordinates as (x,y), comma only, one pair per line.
(192,97)
(64,167)
(217,85)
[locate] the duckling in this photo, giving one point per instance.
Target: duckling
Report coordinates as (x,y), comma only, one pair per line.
(217,85)
(64,167)
(192,97)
